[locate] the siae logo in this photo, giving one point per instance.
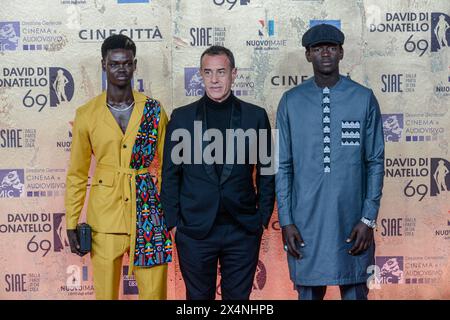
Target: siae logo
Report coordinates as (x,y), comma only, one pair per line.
(193,82)
(201,36)
(392,127)
(16,282)
(392,227)
(11,138)
(207,36)
(9,35)
(392,83)
(398,82)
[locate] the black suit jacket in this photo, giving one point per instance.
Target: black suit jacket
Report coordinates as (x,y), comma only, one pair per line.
(191,193)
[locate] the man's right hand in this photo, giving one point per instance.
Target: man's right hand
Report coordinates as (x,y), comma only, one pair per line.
(291,239)
(73,242)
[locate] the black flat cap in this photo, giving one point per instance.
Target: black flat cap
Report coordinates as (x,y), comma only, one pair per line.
(322,33)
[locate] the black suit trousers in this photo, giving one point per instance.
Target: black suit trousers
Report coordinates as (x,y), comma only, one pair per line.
(230,245)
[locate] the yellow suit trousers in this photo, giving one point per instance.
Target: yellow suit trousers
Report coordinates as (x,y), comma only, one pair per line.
(107,255)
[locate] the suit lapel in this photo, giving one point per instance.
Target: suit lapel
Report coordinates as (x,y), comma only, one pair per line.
(201,116)
(136,115)
(235,123)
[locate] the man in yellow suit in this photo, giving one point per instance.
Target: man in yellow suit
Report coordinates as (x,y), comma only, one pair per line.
(124,130)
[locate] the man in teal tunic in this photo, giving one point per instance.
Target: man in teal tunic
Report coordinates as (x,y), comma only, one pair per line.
(330,177)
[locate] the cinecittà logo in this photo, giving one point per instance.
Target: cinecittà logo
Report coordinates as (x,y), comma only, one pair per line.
(143,34)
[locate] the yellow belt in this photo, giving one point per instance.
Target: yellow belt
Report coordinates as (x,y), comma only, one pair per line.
(128,181)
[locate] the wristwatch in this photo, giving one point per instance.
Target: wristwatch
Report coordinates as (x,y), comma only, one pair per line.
(370,223)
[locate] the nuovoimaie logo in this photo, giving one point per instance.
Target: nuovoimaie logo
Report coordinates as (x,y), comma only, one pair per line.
(439,177)
(9,35)
(12,183)
(440,31)
(76,276)
(267,38)
(391,270)
(77,282)
(61,86)
(70,129)
(193,82)
(267,28)
(392,127)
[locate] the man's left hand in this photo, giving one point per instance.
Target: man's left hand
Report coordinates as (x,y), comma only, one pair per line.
(363,236)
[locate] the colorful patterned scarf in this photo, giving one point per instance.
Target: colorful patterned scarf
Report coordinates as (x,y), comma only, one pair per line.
(153,244)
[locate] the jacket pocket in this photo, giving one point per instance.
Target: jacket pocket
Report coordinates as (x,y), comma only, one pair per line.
(350,133)
(103,179)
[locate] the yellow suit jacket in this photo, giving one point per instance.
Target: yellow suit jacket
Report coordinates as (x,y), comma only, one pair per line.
(96,132)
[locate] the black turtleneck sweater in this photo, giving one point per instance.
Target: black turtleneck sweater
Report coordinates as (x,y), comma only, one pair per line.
(218,115)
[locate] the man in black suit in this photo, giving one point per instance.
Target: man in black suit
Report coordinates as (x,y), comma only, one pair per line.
(212,150)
